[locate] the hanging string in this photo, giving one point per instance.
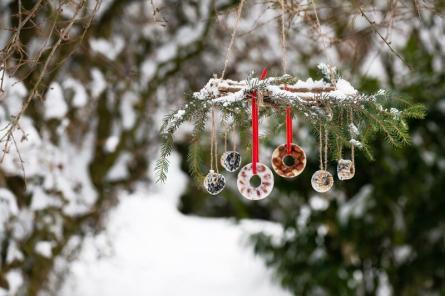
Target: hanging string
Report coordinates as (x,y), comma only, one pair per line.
(283,37)
(232,39)
(213,144)
(324,43)
(233,140)
(323,139)
(212,138)
(351,119)
(325,148)
(215,141)
(340,147)
(255,135)
(284,64)
(225,136)
(321,146)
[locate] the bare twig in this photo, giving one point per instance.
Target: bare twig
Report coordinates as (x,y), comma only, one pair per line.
(7,136)
(388,43)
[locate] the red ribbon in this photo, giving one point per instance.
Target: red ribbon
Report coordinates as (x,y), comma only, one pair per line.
(255,137)
(288,129)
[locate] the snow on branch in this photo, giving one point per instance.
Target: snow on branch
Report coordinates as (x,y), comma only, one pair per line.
(285,90)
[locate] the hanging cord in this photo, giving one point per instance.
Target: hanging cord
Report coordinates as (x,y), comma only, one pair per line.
(233,137)
(284,64)
(321,146)
(283,36)
(225,136)
(323,160)
(216,152)
(215,141)
(232,39)
(324,43)
(225,141)
(255,136)
(325,149)
(340,147)
(351,119)
(211,138)
(213,144)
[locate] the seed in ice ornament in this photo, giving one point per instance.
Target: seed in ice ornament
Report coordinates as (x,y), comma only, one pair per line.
(322,181)
(250,190)
(288,165)
(231,161)
(345,169)
(214,183)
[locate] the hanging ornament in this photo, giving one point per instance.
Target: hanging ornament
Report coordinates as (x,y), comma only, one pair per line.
(214,183)
(288,160)
(288,164)
(346,167)
(231,161)
(247,173)
(322,180)
(261,190)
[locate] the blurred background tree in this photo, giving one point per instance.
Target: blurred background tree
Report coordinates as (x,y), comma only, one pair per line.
(90,81)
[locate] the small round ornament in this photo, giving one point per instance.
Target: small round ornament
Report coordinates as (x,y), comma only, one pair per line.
(322,181)
(231,161)
(345,169)
(214,183)
(250,191)
(288,165)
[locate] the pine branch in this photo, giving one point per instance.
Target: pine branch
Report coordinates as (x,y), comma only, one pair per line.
(372,112)
(161,168)
(194,158)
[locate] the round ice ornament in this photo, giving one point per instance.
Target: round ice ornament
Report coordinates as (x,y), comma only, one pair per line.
(214,183)
(288,164)
(345,169)
(322,181)
(250,191)
(231,161)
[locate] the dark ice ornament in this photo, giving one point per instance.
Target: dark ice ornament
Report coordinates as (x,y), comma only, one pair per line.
(214,183)
(231,161)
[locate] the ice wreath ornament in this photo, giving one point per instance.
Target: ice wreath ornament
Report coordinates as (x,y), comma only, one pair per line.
(341,118)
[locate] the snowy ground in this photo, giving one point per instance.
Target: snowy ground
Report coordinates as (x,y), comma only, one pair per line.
(152,249)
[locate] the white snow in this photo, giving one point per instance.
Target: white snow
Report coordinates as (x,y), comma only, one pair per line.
(98,84)
(149,248)
(108,48)
(353,130)
(356,143)
(80,95)
(129,99)
(343,90)
(55,105)
(318,203)
(402,253)
(356,206)
(111,143)
(44,248)
(15,281)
